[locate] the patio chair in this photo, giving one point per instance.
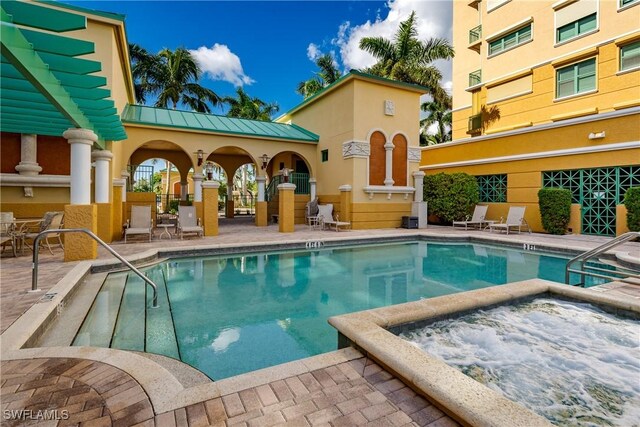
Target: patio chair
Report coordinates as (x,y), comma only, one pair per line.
(187,222)
(7,228)
(337,224)
(50,221)
(140,223)
(477,219)
(311,212)
(325,214)
(515,219)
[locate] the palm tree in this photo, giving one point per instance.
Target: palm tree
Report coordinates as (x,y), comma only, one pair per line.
(245,107)
(439,114)
(328,74)
(407,59)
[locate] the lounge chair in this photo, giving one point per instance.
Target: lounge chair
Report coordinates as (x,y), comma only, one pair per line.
(515,219)
(325,214)
(311,213)
(140,223)
(477,219)
(337,224)
(187,222)
(50,221)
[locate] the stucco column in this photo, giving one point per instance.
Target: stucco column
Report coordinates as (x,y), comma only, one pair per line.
(229,212)
(116,220)
(261,204)
(102,159)
(418,184)
(210,207)
(345,203)
(126,176)
(28,165)
(184,190)
(286,206)
(80,213)
(419,206)
(81,141)
(388,146)
(197,184)
(312,188)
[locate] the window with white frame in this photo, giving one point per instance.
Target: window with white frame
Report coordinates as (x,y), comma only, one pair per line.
(630,56)
(510,40)
(574,19)
(576,28)
(576,78)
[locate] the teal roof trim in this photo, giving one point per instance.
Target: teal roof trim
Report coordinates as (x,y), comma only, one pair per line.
(409,86)
(110,15)
(144,115)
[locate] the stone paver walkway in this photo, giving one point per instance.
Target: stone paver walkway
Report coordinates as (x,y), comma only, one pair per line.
(96,394)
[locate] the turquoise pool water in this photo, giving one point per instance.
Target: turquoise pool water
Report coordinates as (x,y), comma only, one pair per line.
(227,315)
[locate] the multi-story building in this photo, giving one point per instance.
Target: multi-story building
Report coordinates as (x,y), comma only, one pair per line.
(546,93)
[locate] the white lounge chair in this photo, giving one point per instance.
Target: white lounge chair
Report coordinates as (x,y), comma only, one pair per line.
(140,223)
(337,224)
(515,219)
(311,213)
(325,214)
(188,223)
(477,219)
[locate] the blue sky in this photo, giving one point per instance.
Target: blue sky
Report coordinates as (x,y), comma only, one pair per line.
(268,47)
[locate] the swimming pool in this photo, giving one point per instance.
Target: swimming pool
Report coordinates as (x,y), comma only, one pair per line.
(227,315)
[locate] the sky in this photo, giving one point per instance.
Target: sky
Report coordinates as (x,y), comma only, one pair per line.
(268,47)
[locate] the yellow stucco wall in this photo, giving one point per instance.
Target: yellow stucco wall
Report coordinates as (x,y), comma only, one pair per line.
(140,199)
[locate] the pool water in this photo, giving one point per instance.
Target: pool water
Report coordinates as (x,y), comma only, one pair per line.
(570,362)
(228,315)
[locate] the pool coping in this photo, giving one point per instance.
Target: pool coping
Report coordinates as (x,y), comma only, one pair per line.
(462,398)
(164,390)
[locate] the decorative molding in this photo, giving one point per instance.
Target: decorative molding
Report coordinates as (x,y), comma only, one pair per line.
(345,187)
(388,190)
(357,149)
(414,154)
(538,155)
(119,182)
(211,184)
(17,180)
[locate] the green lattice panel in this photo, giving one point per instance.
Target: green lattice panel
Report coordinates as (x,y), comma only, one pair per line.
(493,188)
(569,179)
(628,177)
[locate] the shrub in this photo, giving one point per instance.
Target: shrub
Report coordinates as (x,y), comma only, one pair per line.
(632,203)
(555,209)
(451,197)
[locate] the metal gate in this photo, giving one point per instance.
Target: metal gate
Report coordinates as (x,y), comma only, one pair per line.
(141,178)
(598,191)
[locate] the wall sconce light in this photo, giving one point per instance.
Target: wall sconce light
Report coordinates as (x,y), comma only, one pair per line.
(265,160)
(596,135)
(208,167)
(200,154)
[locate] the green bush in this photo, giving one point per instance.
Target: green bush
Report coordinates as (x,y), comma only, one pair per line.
(451,197)
(632,203)
(555,209)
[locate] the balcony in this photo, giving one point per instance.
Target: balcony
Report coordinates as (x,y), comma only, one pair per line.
(475,78)
(475,38)
(475,124)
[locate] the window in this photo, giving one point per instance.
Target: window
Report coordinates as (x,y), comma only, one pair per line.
(493,188)
(630,56)
(576,78)
(325,155)
(575,28)
(624,3)
(510,40)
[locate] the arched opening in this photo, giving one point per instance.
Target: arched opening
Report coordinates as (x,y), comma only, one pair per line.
(237,193)
(399,174)
(377,163)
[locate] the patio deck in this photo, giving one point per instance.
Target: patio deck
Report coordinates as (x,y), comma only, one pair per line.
(354,392)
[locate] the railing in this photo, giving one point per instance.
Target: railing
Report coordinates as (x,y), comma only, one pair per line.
(243,202)
(475,34)
(165,201)
(475,78)
(36,243)
(301,181)
(589,270)
(475,123)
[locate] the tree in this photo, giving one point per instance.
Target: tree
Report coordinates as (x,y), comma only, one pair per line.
(328,74)
(440,115)
(171,76)
(244,107)
(407,59)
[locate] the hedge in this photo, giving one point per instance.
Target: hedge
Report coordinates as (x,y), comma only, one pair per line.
(555,209)
(632,203)
(451,197)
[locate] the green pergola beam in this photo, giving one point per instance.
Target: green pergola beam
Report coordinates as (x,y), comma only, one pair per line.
(83,81)
(51,43)
(44,18)
(65,63)
(36,97)
(28,107)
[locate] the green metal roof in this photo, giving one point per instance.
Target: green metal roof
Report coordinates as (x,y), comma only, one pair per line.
(46,88)
(138,114)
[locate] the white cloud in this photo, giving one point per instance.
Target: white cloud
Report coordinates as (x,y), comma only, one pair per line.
(313,52)
(219,63)
(434,20)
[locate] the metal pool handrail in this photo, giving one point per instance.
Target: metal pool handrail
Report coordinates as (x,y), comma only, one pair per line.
(584,257)
(36,242)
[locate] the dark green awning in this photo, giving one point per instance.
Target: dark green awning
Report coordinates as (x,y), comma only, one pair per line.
(46,86)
